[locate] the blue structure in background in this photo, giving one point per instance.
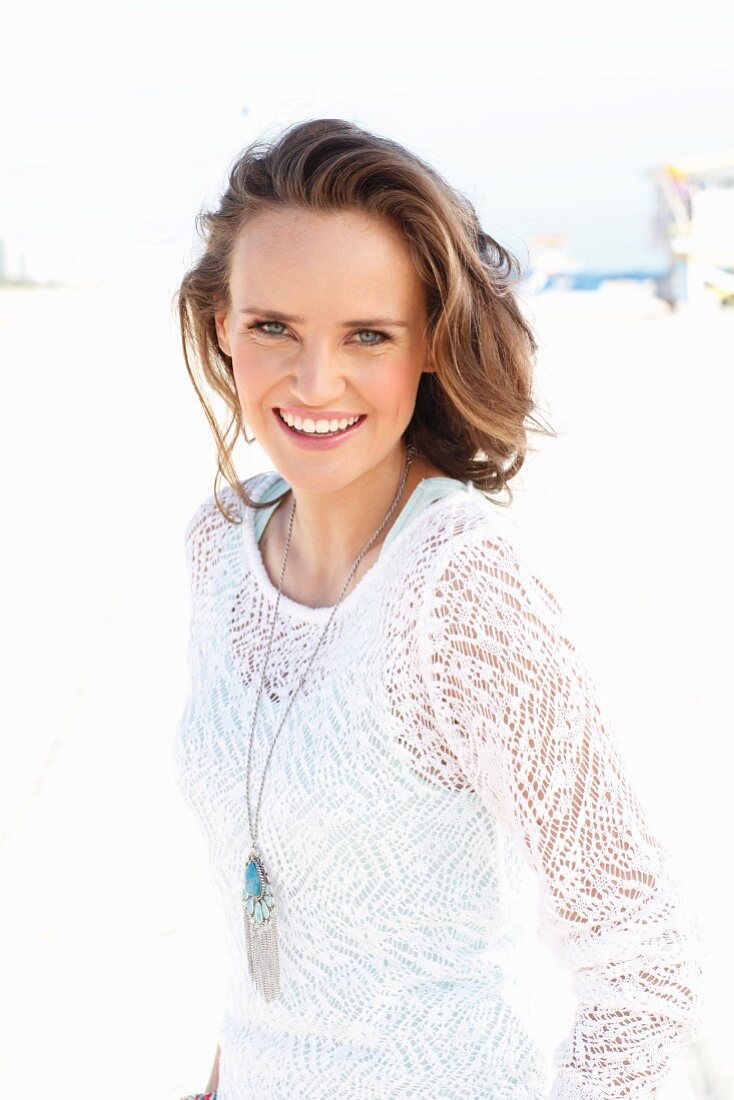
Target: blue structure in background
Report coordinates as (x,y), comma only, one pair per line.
(592,280)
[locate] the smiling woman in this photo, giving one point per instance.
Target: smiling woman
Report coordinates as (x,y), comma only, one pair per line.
(314,381)
(332,223)
(432,737)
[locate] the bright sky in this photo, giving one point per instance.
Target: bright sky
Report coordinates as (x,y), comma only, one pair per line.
(120,118)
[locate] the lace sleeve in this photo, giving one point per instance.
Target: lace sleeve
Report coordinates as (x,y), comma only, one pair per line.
(518,707)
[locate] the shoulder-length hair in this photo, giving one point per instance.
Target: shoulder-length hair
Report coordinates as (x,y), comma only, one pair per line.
(473,412)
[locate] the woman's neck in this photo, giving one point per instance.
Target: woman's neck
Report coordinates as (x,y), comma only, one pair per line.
(331,528)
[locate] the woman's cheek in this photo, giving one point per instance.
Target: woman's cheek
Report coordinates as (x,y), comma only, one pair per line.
(251,377)
(397,384)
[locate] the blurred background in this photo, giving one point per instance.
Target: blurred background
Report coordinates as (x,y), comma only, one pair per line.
(596,143)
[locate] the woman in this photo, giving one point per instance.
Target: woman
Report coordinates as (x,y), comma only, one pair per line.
(389,722)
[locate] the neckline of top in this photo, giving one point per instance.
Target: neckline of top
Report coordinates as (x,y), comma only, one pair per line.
(303,611)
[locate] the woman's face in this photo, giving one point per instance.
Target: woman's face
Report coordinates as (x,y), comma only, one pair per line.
(327,321)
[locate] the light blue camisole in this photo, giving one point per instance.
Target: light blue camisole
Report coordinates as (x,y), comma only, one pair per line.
(425,492)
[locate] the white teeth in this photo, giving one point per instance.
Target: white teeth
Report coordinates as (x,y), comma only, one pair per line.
(317,427)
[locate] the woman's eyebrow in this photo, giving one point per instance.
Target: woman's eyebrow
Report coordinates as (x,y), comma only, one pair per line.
(278,316)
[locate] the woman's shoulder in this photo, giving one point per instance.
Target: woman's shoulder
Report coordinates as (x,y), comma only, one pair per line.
(469,522)
(459,544)
(481,555)
(214,529)
(208,517)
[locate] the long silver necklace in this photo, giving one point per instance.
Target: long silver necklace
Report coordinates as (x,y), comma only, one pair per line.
(258,901)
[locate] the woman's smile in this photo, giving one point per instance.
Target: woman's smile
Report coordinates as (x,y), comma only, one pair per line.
(318,432)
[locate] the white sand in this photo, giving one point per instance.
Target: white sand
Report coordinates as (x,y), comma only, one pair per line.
(110,947)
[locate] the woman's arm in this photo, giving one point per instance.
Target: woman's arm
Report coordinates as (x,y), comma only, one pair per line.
(519,710)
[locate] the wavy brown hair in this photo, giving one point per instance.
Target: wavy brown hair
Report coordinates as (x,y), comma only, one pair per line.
(473,413)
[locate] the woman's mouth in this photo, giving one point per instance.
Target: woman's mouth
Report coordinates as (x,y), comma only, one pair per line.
(319,434)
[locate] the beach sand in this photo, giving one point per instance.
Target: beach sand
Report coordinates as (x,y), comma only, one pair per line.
(111,947)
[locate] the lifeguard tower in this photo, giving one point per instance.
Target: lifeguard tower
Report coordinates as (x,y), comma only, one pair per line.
(695,222)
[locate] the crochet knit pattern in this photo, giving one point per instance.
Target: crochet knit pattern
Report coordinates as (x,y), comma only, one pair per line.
(446,747)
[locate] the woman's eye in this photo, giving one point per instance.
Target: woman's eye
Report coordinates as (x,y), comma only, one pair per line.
(261,325)
(376,337)
(381,337)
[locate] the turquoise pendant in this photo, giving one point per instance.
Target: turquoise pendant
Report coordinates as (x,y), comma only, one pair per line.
(261,934)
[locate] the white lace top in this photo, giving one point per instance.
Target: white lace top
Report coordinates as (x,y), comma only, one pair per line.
(446,743)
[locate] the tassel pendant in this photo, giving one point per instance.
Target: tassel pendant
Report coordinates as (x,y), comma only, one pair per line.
(261,928)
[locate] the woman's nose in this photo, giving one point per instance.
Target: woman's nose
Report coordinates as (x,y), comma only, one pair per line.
(318,378)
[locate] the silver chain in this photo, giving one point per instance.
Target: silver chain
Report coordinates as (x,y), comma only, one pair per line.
(411,453)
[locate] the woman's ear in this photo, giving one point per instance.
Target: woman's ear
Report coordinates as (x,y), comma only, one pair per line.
(220,323)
